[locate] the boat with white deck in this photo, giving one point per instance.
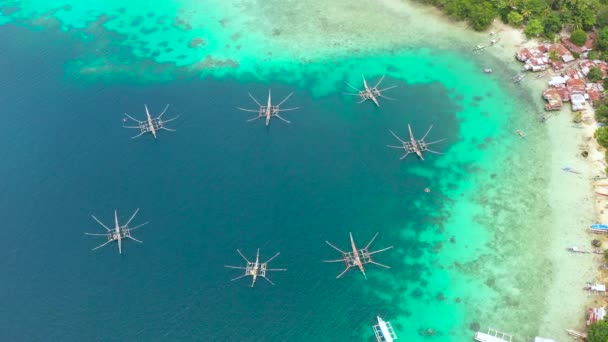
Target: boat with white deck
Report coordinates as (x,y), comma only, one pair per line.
(493,335)
(384,331)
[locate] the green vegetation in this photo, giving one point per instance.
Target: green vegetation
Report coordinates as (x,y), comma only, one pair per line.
(540,18)
(534,28)
(601,135)
(553,55)
(601,113)
(515,19)
(598,332)
(551,24)
(578,37)
(595,74)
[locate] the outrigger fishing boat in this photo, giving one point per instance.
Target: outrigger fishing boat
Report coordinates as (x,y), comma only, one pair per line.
(598,228)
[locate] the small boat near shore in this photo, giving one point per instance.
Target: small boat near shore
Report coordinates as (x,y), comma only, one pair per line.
(541,75)
(601,192)
(487,70)
(600,288)
(571,170)
(576,334)
(518,78)
(575,249)
(544,117)
(598,227)
(493,335)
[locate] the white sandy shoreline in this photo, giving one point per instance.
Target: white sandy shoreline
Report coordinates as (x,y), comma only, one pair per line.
(570,198)
(571,201)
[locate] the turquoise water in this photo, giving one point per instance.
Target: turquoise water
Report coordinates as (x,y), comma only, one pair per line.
(219,183)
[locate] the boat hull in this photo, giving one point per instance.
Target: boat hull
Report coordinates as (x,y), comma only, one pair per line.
(599,228)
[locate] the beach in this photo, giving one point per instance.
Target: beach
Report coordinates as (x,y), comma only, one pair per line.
(573,205)
(486,246)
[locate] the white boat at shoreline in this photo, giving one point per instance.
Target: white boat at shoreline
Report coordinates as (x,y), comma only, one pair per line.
(493,335)
(575,249)
(599,288)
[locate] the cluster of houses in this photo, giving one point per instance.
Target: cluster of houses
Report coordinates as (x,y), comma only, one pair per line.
(595,315)
(570,83)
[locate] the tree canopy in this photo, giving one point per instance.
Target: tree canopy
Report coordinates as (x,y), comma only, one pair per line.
(595,74)
(553,14)
(601,113)
(515,19)
(578,37)
(598,332)
(539,18)
(601,135)
(534,28)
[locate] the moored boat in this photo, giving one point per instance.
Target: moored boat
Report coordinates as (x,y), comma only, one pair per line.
(384,331)
(543,339)
(487,70)
(598,227)
(575,249)
(571,170)
(493,335)
(602,192)
(518,78)
(595,287)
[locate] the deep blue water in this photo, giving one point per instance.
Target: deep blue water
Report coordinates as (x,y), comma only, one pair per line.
(215,185)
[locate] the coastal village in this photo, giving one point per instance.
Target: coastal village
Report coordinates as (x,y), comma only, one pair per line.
(566,69)
(568,74)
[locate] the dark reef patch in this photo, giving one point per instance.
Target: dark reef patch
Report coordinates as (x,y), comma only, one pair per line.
(197,42)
